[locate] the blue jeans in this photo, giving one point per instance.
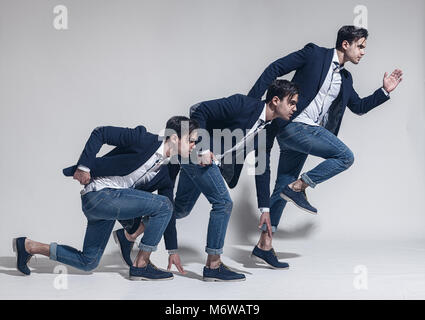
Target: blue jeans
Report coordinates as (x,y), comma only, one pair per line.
(101,209)
(195,180)
(297,141)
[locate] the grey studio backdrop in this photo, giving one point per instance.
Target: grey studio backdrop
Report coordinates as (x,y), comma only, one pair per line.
(126,63)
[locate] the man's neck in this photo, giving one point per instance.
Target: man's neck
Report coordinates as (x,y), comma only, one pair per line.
(166,151)
(270,115)
(341,57)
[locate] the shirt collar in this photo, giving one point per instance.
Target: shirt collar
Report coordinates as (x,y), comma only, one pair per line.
(160,150)
(263,114)
(335,59)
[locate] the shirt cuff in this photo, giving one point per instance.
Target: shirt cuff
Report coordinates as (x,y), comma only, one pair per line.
(174,251)
(264,209)
(385,92)
(83,168)
(203,152)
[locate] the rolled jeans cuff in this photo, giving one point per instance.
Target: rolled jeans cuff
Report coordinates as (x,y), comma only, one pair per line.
(306,179)
(52,251)
(264,228)
(147,248)
(213,251)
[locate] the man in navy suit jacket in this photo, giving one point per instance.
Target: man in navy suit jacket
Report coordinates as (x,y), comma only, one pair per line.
(326,88)
(119,186)
(246,120)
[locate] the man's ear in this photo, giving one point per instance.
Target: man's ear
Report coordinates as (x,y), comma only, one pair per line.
(345,44)
(174,138)
(275,101)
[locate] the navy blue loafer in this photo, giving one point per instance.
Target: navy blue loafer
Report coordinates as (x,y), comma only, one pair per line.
(125,246)
(150,272)
(22,256)
(269,257)
(222,273)
(299,199)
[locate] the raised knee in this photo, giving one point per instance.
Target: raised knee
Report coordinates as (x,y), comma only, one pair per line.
(348,158)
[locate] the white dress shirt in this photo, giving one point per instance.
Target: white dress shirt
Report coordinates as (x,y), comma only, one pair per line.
(316,113)
(142,175)
(256,128)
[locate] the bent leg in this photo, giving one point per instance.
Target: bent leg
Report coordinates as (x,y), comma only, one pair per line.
(102,208)
(132,203)
(95,240)
(338,157)
(209,181)
(290,165)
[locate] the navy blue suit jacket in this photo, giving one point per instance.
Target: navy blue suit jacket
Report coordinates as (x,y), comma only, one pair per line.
(311,65)
(238,112)
(133,147)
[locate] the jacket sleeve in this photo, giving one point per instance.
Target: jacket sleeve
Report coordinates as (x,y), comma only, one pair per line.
(170,233)
(216,110)
(363,105)
(262,179)
(115,136)
(279,68)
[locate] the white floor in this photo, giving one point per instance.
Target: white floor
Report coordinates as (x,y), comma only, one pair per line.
(318,270)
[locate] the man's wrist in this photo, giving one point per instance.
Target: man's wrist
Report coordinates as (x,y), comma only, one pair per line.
(173,251)
(385,92)
(264,209)
(201,153)
(83,168)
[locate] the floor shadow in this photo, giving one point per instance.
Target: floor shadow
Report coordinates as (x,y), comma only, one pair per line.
(41,265)
(189,274)
(300,232)
(191,255)
(245,218)
(244,257)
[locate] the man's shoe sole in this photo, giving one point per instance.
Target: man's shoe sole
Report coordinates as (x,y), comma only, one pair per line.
(114,234)
(285,197)
(207,279)
(15,250)
(258,259)
(134,278)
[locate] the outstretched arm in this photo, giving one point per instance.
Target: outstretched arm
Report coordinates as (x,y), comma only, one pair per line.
(363,105)
(279,68)
(262,179)
(170,233)
(391,82)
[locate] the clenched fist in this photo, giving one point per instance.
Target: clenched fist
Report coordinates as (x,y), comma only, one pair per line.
(82,176)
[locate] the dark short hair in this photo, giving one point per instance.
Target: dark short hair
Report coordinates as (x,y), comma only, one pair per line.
(281,88)
(350,33)
(180,125)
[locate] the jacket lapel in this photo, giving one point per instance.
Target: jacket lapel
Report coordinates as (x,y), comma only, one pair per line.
(344,84)
(325,66)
